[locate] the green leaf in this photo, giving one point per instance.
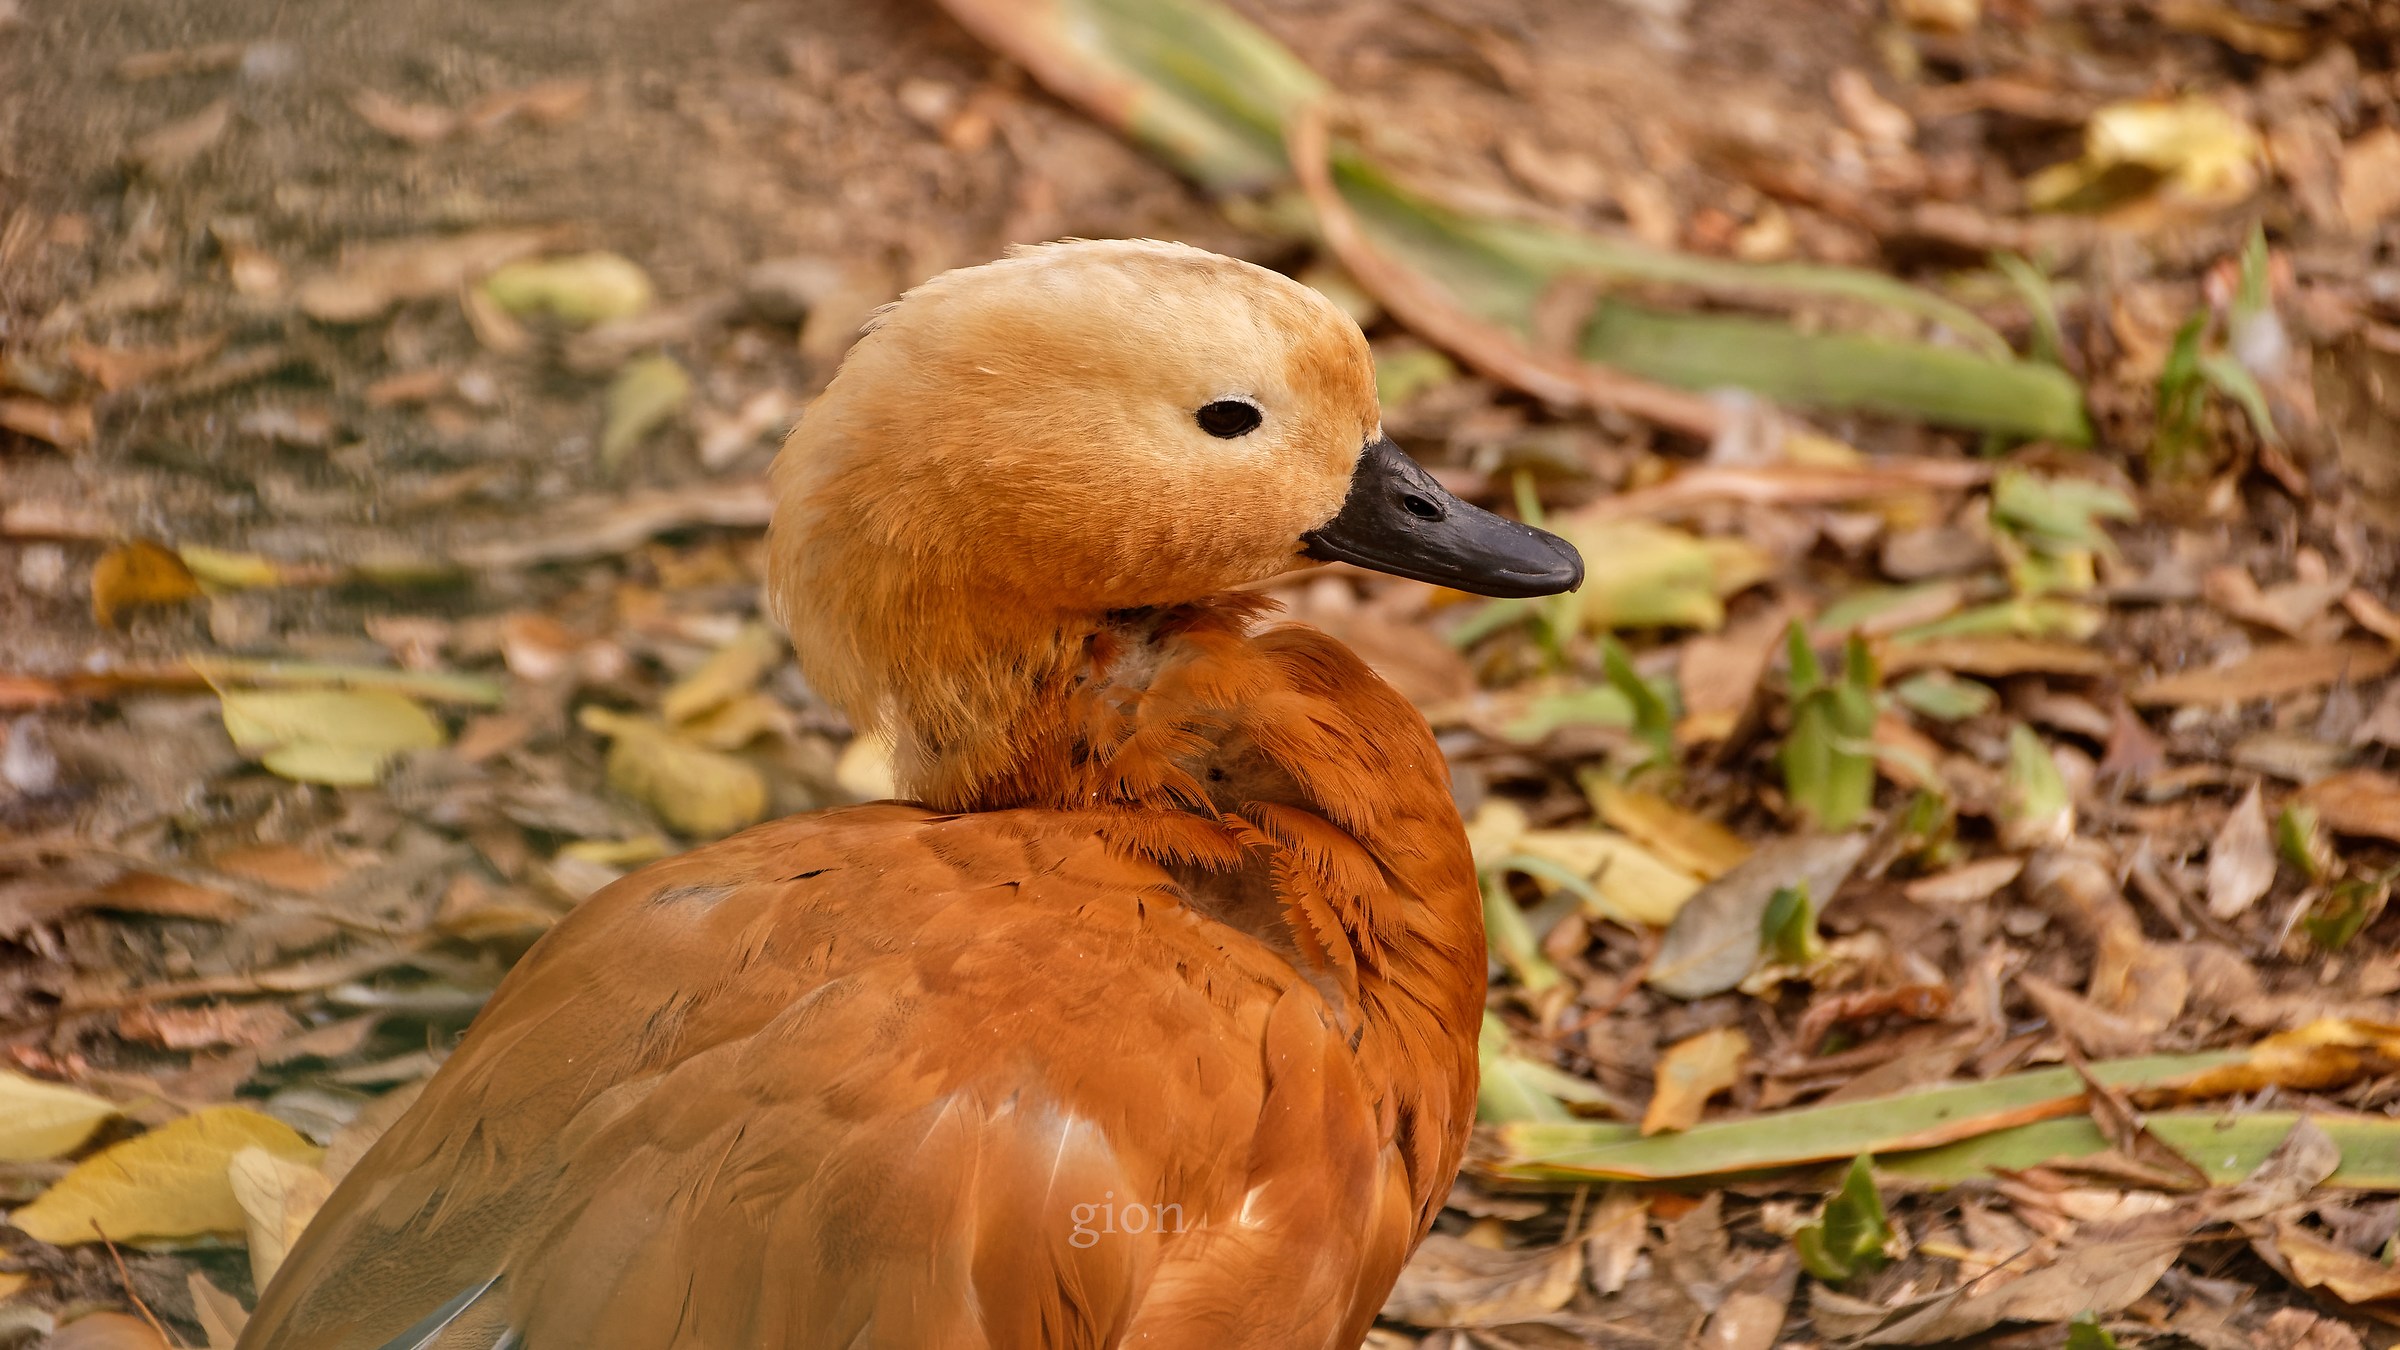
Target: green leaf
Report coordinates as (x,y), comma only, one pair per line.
(1944,697)
(1828,758)
(2300,840)
(2234,380)
(1517,1087)
(1653,720)
(1598,706)
(646,394)
(1214,96)
(2039,808)
(2086,1334)
(1788,930)
(2057,513)
(1512,939)
(1849,1237)
(2344,911)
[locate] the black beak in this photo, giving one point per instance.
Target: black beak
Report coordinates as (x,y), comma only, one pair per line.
(1398,520)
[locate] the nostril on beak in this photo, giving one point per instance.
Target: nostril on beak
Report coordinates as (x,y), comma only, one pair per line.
(1420,507)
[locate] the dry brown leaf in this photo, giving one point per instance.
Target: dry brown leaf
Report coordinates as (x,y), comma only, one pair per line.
(107,1331)
(150,893)
(172,148)
(1689,1073)
(2371,179)
(67,426)
(2270,672)
(1754,1310)
(411,123)
(1967,883)
(1714,940)
(373,279)
(206,1027)
(2241,860)
(221,1315)
(138,574)
(278,1197)
(2358,802)
(1614,1237)
(1454,1283)
(2296,609)
(2373,615)
(2099,1272)
(115,368)
(2315,1263)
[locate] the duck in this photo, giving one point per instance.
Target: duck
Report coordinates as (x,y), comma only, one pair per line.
(1148,1019)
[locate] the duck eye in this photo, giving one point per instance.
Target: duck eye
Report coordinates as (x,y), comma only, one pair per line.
(1229,417)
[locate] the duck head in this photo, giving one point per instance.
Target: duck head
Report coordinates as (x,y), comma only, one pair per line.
(1014,451)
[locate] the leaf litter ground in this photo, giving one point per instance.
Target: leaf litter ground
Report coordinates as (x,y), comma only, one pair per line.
(1977,756)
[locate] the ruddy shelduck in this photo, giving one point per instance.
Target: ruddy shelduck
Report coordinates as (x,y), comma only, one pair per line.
(1151,1021)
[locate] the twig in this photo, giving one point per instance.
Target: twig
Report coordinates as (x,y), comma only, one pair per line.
(125,1278)
(1487,347)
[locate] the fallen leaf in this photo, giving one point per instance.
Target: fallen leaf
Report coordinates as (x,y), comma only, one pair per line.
(1996,656)
(169,1183)
(41,1120)
(1613,1238)
(1714,939)
(206,1027)
(278,1196)
(106,1331)
(1755,1308)
(2100,1271)
(729,672)
(412,123)
(2270,672)
(2241,860)
(340,737)
(221,1315)
(581,290)
(2371,179)
(1691,842)
(373,279)
(2316,1263)
(115,368)
(1626,882)
(1660,576)
(172,148)
(643,397)
(138,574)
(865,769)
(699,792)
(2360,802)
(150,893)
(2201,154)
(67,426)
(1451,1282)
(1689,1073)
(1965,884)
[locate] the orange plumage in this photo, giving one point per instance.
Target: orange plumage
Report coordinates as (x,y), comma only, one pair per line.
(1157,1027)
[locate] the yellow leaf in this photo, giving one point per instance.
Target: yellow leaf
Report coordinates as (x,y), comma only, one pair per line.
(865,769)
(728,673)
(1635,886)
(230,571)
(10,1282)
(1694,843)
(586,288)
(278,1197)
(643,397)
(43,1120)
(1692,1071)
(2201,155)
(169,1183)
(1659,576)
(337,736)
(698,791)
(135,574)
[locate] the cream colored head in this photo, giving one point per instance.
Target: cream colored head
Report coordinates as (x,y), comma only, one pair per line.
(1016,450)
(1024,439)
